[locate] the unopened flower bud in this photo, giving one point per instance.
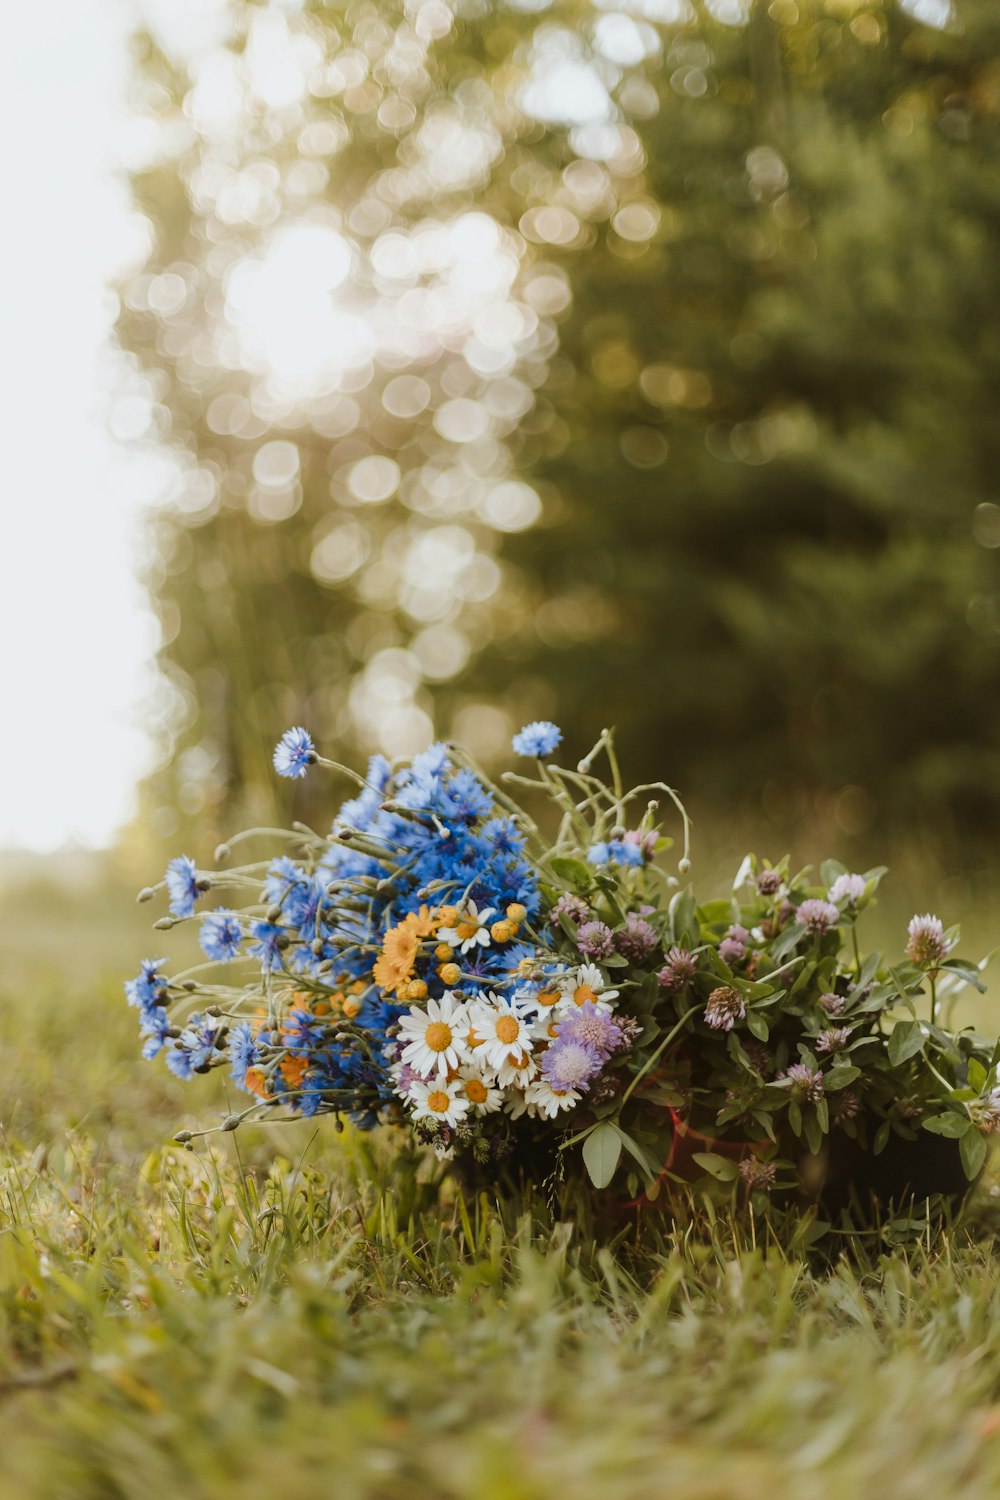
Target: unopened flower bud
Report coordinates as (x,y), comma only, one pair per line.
(164,924)
(182,1137)
(222,851)
(146,894)
(232,1122)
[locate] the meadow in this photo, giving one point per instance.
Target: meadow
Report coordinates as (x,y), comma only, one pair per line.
(282,1312)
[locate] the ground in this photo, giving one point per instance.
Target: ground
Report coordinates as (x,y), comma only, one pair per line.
(270,1315)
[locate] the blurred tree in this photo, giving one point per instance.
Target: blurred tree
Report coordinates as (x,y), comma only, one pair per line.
(719,293)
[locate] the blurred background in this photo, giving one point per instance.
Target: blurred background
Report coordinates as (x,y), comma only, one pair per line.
(419,368)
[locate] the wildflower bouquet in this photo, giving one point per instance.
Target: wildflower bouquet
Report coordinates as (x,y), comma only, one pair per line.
(564,1004)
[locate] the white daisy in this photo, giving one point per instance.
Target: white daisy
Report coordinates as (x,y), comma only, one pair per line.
(518,1071)
(481,1092)
(442,1100)
(549,1101)
(500,1030)
(517,1104)
(544,995)
(471,930)
(588,983)
(434,1039)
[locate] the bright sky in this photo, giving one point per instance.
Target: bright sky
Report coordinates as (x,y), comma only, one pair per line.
(76,637)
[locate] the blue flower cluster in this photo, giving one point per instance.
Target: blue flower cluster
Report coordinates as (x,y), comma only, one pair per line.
(426,835)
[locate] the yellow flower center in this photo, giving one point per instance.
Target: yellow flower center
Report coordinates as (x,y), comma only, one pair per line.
(438,1101)
(522,1061)
(549,997)
(467,930)
(475,1090)
(583,994)
(438,1036)
(351,1007)
(508,1030)
(473,1039)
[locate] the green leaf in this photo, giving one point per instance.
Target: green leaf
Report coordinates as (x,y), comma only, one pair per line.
(951,1124)
(830,869)
(634,1149)
(757,1026)
(682,916)
(881,1138)
(972,1147)
(573,871)
(968,973)
(839,1077)
(906,1039)
(601,1152)
(977,1074)
(719,1166)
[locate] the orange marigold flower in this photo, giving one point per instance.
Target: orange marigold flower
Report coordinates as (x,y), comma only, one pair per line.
(255,1081)
(394,964)
(424,922)
(293,1070)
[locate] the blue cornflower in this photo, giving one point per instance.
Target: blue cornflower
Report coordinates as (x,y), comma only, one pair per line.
(627,854)
(294,753)
(148,988)
(182,883)
(244,1051)
(467,797)
(155,1028)
(221,935)
(538,738)
(283,875)
(193,1049)
(268,944)
(599,854)
(504,835)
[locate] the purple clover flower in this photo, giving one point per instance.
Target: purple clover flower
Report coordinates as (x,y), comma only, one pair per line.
(638,939)
(927,945)
(818,915)
(679,969)
(596,940)
(725,1006)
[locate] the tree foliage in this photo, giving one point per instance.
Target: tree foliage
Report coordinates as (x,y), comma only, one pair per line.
(657,390)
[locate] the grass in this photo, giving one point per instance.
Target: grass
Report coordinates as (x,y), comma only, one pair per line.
(282,1314)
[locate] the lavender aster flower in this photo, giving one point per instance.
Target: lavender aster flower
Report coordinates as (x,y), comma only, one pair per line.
(538,738)
(679,969)
(570,1065)
(807,1083)
(849,888)
(927,945)
(818,916)
(724,1008)
(638,939)
(294,753)
(587,1025)
(221,935)
(184,885)
(596,940)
